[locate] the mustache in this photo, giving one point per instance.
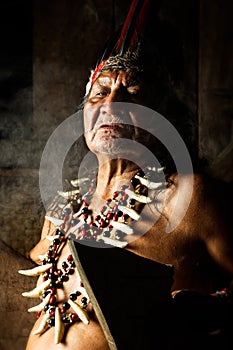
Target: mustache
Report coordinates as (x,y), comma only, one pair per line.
(113,119)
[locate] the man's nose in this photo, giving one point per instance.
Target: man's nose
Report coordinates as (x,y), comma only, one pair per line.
(113,103)
(116,95)
(111,108)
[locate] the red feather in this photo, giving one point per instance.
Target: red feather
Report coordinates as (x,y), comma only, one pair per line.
(126,25)
(133,25)
(129,36)
(140,23)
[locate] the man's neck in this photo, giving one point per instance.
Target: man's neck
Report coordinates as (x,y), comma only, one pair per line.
(112,175)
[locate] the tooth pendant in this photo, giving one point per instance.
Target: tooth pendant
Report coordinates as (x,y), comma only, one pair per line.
(43,324)
(149,184)
(55,221)
(59,327)
(122,227)
(76,227)
(68,194)
(40,306)
(139,197)
(36,292)
(82,314)
(78,182)
(131,212)
(51,238)
(36,271)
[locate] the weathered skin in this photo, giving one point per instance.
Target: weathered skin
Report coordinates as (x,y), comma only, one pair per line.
(200,247)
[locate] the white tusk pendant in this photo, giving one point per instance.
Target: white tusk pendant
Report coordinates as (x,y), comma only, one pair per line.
(43,325)
(149,184)
(122,227)
(139,197)
(68,194)
(59,327)
(55,221)
(76,227)
(40,306)
(77,182)
(36,271)
(82,314)
(36,292)
(51,238)
(131,212)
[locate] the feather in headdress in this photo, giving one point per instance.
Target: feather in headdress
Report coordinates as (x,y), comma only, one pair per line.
(127,40)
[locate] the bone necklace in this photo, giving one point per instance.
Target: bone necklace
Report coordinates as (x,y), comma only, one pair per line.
(110,226)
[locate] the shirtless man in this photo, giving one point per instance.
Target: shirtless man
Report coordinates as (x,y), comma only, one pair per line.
(199,247)
(160,216)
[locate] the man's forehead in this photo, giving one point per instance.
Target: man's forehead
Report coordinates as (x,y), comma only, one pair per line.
(106,78)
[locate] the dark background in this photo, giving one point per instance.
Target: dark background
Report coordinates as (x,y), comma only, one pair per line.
(47,48)
(47,51)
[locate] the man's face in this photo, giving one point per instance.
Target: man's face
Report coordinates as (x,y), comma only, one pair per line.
(106,117)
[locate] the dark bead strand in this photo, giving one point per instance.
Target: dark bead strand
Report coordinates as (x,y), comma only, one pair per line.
(109,211)
(58,277)
(91,229)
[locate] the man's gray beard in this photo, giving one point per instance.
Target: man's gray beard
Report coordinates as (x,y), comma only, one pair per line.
(113,146)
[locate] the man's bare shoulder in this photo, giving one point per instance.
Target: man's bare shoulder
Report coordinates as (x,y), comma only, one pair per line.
(202,197)
(208,208)
(202,185)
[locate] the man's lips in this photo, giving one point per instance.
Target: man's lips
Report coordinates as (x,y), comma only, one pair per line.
(110,126)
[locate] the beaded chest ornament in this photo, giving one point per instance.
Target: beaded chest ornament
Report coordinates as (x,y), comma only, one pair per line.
(109,227)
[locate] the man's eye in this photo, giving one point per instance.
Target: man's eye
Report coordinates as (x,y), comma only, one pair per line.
(101,93)
(133,91)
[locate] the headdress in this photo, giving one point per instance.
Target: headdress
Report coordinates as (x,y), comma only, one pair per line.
(122,51)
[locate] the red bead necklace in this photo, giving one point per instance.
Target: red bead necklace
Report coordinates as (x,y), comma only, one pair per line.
(109,226)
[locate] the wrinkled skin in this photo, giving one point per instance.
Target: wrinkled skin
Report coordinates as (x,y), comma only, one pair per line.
(200,247)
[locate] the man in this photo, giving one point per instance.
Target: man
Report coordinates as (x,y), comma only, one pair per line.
(161,216)
(198,247)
